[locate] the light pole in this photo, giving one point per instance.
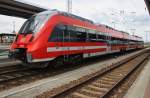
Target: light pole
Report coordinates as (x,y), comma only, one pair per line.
(69,6)
(133,31)
(114,24)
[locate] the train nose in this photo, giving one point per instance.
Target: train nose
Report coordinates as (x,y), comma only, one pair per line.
(13,53)
(17,54)
(24,39)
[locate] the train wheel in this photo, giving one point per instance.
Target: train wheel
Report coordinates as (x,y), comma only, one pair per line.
(79,58)
(58,62)
(74,59)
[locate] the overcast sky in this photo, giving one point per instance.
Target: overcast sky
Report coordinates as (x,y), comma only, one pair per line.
(121,14)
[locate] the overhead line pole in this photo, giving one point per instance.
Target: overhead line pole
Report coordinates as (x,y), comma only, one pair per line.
(69,6)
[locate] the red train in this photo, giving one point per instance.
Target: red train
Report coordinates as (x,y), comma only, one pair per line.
(59,37)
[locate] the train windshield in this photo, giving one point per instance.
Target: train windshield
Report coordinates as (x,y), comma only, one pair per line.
(34,24)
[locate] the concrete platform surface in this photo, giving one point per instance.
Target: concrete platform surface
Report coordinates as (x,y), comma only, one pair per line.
(138,89)
(2,47)
(3,57)
(39,87)
(11,63)
(147,92)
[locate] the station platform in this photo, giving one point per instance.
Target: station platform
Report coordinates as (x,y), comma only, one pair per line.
(4,47)
(141,87)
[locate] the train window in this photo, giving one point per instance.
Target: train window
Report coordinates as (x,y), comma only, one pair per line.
(78,35)
(101,36)
(70,28)
(92,36)
(92,31)
(81,36)
(66,37)
(107,36)
(78,29)
(73,36)
(69,34)
(57,34)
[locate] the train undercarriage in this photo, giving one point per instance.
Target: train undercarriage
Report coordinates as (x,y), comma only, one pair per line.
(20,54)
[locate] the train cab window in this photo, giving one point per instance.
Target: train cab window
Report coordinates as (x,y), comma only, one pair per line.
(57,34)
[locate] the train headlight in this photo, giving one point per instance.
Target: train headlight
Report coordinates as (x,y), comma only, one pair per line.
(29,57)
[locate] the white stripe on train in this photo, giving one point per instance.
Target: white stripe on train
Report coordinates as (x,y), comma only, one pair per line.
(54,49)
(84,55)
(78,48)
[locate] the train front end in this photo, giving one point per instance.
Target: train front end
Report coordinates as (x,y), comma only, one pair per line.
(28,43)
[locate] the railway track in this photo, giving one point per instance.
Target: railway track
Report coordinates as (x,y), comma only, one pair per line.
(10,73)
(110,83)
(7,73)
(11,76)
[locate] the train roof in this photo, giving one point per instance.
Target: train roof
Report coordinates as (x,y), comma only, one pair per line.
(54,11)
(117,33)
(77,17)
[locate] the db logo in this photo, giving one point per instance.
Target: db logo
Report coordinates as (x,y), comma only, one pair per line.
(23,39)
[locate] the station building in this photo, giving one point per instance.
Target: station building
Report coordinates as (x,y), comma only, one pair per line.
(7,37)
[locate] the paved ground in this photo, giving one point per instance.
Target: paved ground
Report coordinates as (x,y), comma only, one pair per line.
(10,63)
(147,92)
(138,89)
(3,57)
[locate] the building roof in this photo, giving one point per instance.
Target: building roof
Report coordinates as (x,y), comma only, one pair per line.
(148,5)
(7,34)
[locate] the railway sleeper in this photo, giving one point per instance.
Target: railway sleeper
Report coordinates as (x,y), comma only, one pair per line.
(98,89)
(109,79)
(101,85)
(79,95)
(113,77)
(90,93)
(105,82)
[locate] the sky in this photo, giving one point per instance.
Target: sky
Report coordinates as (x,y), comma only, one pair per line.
(126,15)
